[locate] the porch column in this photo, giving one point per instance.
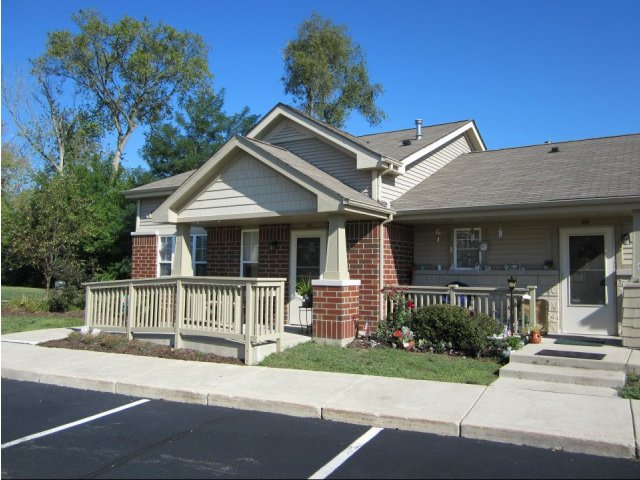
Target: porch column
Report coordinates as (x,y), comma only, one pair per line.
(182,266)
(336,267)
(635,244)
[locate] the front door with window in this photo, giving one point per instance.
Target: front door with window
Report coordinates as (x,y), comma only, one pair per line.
(308,249)
(588,281)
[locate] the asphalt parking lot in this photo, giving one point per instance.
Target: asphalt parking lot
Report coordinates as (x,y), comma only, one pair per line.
(159,439)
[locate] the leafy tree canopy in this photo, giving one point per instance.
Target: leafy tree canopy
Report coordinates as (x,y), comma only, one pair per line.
(327,75)
(196,134)
(131,70)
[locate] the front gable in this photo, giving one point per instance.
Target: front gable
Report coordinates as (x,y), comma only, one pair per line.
(248,187)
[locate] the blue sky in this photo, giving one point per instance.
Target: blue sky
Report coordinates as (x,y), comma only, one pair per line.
(525,71)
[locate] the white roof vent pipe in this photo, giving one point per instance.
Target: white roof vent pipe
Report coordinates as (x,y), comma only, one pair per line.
(418,128)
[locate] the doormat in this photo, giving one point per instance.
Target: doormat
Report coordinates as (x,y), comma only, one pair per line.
(566,354)
(580,343)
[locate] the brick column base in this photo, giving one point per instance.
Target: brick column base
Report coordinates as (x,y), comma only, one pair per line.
(336,306)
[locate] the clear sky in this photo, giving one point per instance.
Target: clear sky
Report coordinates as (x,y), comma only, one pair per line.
(525,71)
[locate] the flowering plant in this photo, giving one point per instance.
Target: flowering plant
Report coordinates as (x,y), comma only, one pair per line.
(405,335)
(399,313)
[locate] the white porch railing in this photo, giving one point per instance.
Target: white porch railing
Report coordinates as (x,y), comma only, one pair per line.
(495,302)
(249,310)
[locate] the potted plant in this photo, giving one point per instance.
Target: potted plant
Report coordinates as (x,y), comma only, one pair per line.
(305,290)
(534,333)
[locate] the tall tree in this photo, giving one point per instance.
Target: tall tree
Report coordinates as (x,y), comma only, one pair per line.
(327,75)
(131,70)
(198,131)
(49,128)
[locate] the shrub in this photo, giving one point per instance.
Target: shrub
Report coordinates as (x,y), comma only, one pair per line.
(27,304)
(448,324)
(65,299)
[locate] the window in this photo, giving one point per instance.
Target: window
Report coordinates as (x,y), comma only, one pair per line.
(466,248)
(199,254)
(165,255)
(249,253)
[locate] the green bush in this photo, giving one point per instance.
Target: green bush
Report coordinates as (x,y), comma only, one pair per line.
(28,304)
(65,299)
(448,324)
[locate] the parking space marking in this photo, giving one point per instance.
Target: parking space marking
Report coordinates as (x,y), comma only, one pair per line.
(344,455)
(73,424)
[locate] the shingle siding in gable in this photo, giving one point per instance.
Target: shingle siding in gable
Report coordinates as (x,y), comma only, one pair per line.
(332,161)
(394,187)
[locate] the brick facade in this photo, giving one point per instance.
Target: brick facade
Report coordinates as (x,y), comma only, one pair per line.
(398,254)
(223,251)
(335,313)
(144,257)
(363,246)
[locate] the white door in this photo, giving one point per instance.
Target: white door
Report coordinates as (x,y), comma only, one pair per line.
(587,270)
(308,249)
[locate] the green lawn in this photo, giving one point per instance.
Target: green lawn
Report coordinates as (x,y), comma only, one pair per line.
(9,293)
(386,362)
(37,321)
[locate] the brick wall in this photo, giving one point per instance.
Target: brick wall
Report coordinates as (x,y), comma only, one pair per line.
(362,258)
(274,259)
(223,251)
(335,313)
(398,254)
(144,257)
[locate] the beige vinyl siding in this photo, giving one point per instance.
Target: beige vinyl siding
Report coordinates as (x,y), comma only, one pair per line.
(249,187)
(524,244)
(286,131)
(395,187)
(145,224)
(335,162)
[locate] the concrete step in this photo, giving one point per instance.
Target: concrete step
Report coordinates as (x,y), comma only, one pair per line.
(539,386)
(615,358)
(559,374)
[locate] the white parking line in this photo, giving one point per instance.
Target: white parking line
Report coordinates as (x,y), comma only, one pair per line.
(344,455)
(73,424)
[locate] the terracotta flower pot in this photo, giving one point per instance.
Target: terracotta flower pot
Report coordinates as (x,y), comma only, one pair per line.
(534,337)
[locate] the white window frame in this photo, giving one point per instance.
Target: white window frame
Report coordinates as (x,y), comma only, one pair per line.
(160,261)
(194,261)
(455,246)
(242,260)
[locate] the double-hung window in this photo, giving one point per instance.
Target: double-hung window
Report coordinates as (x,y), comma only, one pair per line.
(166,247)
(466,248)
(249,253)
(199,254)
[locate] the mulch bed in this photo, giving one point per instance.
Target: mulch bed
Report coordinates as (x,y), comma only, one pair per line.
(116,343)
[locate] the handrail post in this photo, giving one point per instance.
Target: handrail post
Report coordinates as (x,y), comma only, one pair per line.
(88,309)
(131,306)
(280,316)
(533,315)
(452,294)
(177,321)
(248,326)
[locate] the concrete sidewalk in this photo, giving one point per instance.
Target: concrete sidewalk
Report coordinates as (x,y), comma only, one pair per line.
(563,421)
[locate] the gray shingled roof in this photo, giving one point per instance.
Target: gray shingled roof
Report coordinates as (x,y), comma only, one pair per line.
(390,143)
(162,186)
(599,168)
(314,173)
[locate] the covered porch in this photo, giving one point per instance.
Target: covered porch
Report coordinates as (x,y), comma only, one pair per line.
(573,263)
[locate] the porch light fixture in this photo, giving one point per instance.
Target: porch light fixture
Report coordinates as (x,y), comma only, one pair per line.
(511,282)
(626,238)
(273,245)
(438,232)
(500,232)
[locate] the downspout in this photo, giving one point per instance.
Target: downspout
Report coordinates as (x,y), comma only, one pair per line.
(381,267)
